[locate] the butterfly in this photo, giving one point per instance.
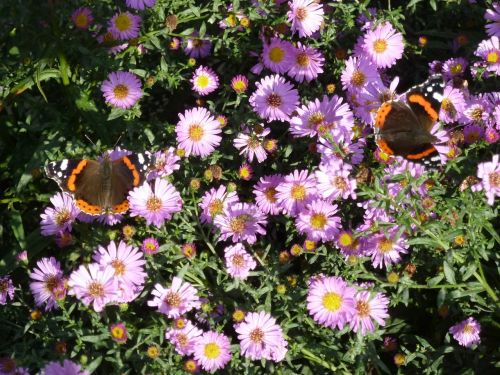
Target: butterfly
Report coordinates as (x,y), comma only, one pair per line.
(100,186)
(403,127)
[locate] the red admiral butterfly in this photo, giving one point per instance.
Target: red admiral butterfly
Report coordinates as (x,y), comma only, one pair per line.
(100,186)
(404,128)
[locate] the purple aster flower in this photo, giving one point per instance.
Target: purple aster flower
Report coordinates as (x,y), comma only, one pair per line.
(124,25)
(184,338)
(473,133)
(241,222)
(150,246)
(6,289)
(179,299)
(67,368)
(491,135)
(265,194)
(489,173)
(358,73)
(466,332)
(384,45)
(119,332)
(319,221)
(122,89)
(48,284)
(454,67)
(330,301)
(92,284)
(140,4)
(239,262)
(307,63)
(372,96)
(59,219)
(198,132)
(277,55)
(196,47)
(128,263)
(82,18)
(296,191)
(261,337)
(493,15)
(156,202)
(334,182)
(477,112)
(239,84)
(452,105)
(204,80)
(306,16)
(369,307)
(165,163)
(212,351)
(274,99)
(386,248)
(214,202)
(435,67)
(489,51)
(250,142)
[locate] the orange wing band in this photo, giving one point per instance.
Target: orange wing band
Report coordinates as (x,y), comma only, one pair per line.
(121,208)
(382,113)
(133,169)
(88,208)
(422,154)
(72,179)
(384,147)
(419,99)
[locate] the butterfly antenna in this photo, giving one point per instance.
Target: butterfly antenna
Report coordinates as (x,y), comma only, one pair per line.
(90,140)
(118,140)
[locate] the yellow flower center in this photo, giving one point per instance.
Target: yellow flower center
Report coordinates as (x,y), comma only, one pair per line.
(456,68)
(153,204)
(96,289)
(339,183)
(120,91)
(118,333)
(239,86)
(81,20)
(332,301)
(182,339)
(318,221)
(215,207)
(244,172)
(276,54)
(303,59)
(202,81)
(212,350)
(298,192)
(358,78)
(270,194)
(447,106)
(345,239)
(468,328)
(363,308)
(62,217)
(238,223)
(301,14)
(238,260)
(274,100)
(385,245)
(196,132)
(119,267)
(316,119)
(172,299)
(231,20)
(257,335)
(153,352)
(123,22)
(494,179)
(492,57)
(51,283)
(380,45)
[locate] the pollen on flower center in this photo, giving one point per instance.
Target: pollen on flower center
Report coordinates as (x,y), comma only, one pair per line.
(96,289)
(316,119)
(477,114)
(62,217)
(123,22)
(238,260)
(339,183)
(215,207)
(298,192)
(274,100)
(182,339)
(447,106)
(345,239)
(238,223)
(380,45)
(303,59)
(270,194)
(468,328)
(119,267)
(173,299)
(253,143)
(332,301)
(456,68)
(492,57)
(51,283)
(195,132)
(301,14)
(385,245)
(358,78)
(4,286)
(257,335)
(212,350)
(318,220)
(154,204)
(276,54)
(118,332)
(81,20)
(120,91)
(197,43)
(202,81)
(363,308)
(494,179)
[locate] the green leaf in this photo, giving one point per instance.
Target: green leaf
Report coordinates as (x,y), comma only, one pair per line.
(449,273)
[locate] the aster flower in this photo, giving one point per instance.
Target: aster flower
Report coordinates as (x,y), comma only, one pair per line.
(48,284)
(82,17)
(66,368)
(189,250)
(118,332)
(250,143)
(245,172)
(372,96)
(156,202)
(493,15)
(122,89)
(92,284)
(196,47)
(214,202)
(165,163)
(334,182)
(198,132)
(110,41)
(466,332)
(478,111)
(296,191)
(204,80)
(128,264)
(277,55)
(489,51)
(330,301)
(318,221)
(489,173)
(239,84)
(358,73)
(384,45)
(180,298)
(212,351)
(140,4)
(306,16)
(150,246)
(491,135)
(184,338)
(369,307)
(238,261)
(261,338)
(241,222)
(265,194)
(452,105)
(473,133)
(307,63)
(6,289)
(124,25)
(454,67)
(59,219)
(386,248)
(274,99)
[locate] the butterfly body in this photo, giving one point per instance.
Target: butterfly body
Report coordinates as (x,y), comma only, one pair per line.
(100,186)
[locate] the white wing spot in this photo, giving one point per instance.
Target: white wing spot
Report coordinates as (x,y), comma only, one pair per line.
(64,165)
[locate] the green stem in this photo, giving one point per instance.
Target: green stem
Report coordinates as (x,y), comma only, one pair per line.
(313,357)
(485,284)
(63,68)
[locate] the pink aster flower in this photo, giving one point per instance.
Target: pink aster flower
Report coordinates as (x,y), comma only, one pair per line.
(92,284)
(386,249)
(239,84)
(384,45)
(124,25)
(307,63)
(156,202)
(296,191)
(184,338)
(466,332)
(493,15)
(265,194)
(319,221)
(306,16)
(491,135)
(261,338)
(150,246)
(489,51)
(334,182)
(214,202)
(274,99)
(330,301)
(6,289)
(48,284)
(454,67)
(369,307)
(122,89)
(250,142)
(198,132)
(128,263)
(238,261)
(277,55)
(82,18)
(204,80)
(119,332)
(212,351)
(140,4)
(165,163)
(358,73)
(196,47)
(66,368)
(452,105)
(489,173)
(241,222)
(59,219)
(245,172)
(180,298)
